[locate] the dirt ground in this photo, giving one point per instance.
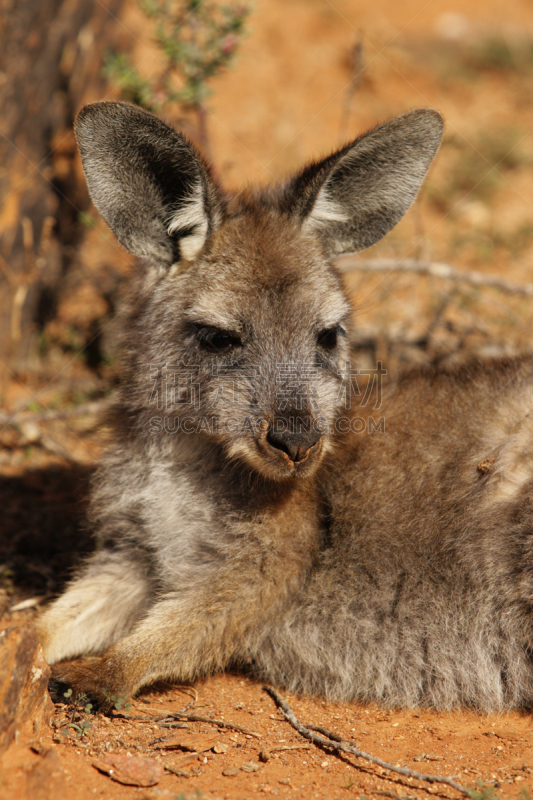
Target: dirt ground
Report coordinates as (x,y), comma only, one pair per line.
(287,99)
(493,749)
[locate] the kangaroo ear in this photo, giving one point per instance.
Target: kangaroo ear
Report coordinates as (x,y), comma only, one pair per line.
(354,197)
(147,181)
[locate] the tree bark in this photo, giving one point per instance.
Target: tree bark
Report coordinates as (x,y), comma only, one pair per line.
(50,54)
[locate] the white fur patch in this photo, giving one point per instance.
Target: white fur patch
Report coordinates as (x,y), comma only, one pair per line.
(191,245)
(96,610)
(191,214)
(324,210)
(209,314)
(334,310)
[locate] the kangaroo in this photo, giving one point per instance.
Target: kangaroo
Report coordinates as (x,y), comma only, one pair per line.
(254,510)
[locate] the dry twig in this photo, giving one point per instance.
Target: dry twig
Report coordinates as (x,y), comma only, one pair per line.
(357,66)
(437,270)
(220,723)
(165,718)
(334,742)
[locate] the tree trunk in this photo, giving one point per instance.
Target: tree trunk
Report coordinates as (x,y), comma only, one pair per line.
(50,53)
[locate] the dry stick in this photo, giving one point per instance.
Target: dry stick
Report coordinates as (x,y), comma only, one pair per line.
(436,269)
(357,65)
(284,747)
(333,741)
(220,723)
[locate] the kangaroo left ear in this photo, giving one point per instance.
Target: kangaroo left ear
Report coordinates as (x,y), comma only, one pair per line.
(147,181)
(353,198)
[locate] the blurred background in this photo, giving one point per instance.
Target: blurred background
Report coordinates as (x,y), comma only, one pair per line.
(261,87)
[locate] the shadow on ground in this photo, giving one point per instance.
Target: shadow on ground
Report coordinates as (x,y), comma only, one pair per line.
(43,529)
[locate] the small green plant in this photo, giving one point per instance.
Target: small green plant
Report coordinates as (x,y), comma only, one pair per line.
(498,53)
(79,704)
(118,69)
(6,579)
(86,220)
(80,700)
(483,792)
(82,728)
(467,61)
(117,702)
(475,169)
(195,40)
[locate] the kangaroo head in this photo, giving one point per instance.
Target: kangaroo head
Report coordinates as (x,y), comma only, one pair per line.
(239,335)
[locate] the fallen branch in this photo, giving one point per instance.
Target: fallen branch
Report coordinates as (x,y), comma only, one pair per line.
(30,602)
(283,747)
(435,269)
(220,723)
(331,740)
(166,718)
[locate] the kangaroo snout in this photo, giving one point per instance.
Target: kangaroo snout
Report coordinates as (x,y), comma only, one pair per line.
(294,444)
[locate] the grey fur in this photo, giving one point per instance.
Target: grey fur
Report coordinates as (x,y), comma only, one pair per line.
(393,566)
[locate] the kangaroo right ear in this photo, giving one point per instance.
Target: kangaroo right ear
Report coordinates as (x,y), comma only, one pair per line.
(147,181)
(353,198)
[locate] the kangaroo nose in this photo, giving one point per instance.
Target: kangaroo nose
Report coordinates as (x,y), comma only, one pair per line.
(295,445)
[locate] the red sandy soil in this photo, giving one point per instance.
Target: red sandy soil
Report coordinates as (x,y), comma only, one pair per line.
(494,749)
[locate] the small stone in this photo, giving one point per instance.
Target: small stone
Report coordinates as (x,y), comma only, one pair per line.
(220,747)
(324,764)
(130,770)
(250,766)
(285,781)
(264,756)
(230,772)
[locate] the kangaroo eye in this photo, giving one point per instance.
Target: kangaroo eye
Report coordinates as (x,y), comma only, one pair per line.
(217,340)
(328,338)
